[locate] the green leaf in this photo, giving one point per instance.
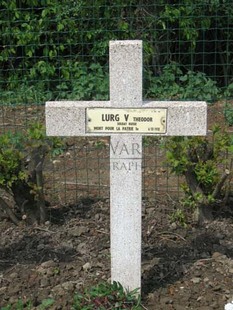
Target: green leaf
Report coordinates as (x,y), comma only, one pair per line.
(47,303)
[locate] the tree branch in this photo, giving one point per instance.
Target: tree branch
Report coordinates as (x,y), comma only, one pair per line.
(228,186)
(220,184)
(194,186)
(40,199)
(9,211)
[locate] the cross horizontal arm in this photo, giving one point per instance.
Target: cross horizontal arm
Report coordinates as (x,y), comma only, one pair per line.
(184,118)
(67,118)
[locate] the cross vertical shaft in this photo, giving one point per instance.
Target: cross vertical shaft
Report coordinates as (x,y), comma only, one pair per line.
(125,167)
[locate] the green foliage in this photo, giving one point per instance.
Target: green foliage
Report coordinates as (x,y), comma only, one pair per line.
(86,84)
(82,83)
(229,91)
(178,216)
(106,296)
(58,49)
(199,160)
(20,305)
(187,17)
(46,303)
(186,152)
(231,144)
(152,141)
(166,85)
(11,158)
(36,137)
(21,165)
(103,297)
(191,200)
(174,84)
(196,85)
(228,113)
(15,149)
(26,93)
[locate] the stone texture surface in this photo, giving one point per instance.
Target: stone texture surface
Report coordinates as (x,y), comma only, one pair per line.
(125,73)
(185,118)
(125,167)
(67,118)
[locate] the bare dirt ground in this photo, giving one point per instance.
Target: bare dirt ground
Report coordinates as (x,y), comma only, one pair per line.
(182,268)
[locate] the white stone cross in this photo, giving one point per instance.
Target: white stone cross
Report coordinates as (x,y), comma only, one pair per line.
(125,118)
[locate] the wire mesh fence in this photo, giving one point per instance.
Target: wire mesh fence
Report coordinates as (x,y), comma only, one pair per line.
(83,171)
(54,50)
(59,49)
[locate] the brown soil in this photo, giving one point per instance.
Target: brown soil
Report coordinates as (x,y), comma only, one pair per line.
(182,268)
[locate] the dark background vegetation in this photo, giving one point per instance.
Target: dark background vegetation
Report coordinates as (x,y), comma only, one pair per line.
(59,49)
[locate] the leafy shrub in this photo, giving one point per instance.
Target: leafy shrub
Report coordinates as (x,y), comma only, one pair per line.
(178,216)
(174,84)
(25,93)
(196,85)
(199,160)
(166,85)
(79,83)
(228,93)
(22,157)
(228,113)
(43,43)
(87,83)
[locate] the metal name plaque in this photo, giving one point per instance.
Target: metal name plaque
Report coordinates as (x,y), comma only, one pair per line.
(139,120)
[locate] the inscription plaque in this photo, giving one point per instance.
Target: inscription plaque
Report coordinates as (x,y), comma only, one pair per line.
(113,120)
